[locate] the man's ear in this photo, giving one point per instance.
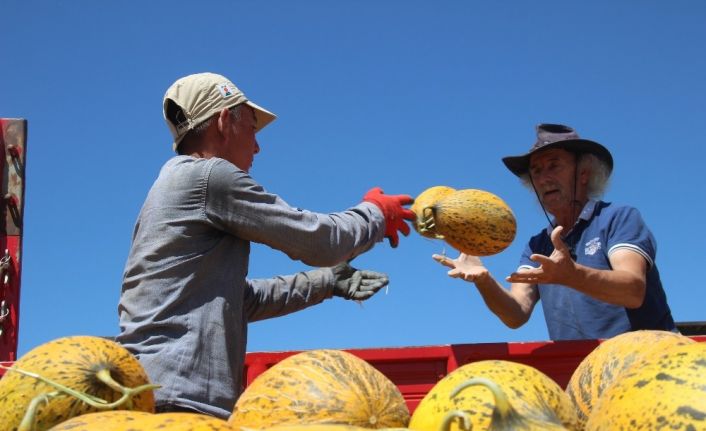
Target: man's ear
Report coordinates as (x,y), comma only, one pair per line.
(585,175)
(224,120)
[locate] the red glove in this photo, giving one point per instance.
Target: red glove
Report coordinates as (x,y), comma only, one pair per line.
(395,214)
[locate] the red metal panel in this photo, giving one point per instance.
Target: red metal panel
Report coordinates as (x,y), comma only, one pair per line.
(13,139)
(556,359)
(6,364)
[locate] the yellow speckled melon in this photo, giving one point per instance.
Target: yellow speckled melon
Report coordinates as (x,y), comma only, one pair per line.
(128,421)
(95,366)
(317,427)
(100,421)
(474,222)
(610,360)
(321,387)
(505,417)
(178,422)
(422,208)
(530,392)
(666,392)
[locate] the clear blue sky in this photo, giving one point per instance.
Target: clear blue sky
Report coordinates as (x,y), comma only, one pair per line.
(398,94)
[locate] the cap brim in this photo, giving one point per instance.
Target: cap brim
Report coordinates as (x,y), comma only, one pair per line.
(519,165)
(262,115)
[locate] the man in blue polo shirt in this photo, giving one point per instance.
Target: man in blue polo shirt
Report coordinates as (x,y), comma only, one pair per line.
(593,267)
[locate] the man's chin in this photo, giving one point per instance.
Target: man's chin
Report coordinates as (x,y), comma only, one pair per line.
(551,206)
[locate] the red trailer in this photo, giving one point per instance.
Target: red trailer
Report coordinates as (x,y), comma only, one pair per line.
(13,137)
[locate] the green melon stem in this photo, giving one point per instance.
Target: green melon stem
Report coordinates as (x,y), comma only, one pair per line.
(93,401)
(504,416)
(503,408)
(463,418)
(104,376)
(89,399)
(428,222)
(30,417)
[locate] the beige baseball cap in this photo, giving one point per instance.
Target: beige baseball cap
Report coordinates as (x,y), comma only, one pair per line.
(193,99)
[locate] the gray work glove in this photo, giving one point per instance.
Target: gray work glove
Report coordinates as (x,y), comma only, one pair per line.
(351,283)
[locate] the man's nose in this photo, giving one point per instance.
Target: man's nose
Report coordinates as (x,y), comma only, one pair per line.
(539,177)
(257,147)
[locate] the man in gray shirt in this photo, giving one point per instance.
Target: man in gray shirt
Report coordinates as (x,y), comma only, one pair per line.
(186,299)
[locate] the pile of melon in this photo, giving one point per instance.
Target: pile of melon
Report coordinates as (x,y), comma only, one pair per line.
(94,384)
(643,380)
(475,222)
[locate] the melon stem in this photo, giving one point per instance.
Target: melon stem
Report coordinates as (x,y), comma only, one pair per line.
(30,417)
(93,401)
(428,223)
(503,408)
(463,418)
(104,376)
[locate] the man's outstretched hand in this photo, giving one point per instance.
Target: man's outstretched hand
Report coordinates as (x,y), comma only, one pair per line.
(557,268)
(393,211)
(467,267)
(359,285)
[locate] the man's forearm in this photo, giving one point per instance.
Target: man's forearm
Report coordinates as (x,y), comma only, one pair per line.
(502,302)
(618,287)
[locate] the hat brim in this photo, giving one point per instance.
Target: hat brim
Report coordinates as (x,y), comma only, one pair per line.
(262,115)
(519,165)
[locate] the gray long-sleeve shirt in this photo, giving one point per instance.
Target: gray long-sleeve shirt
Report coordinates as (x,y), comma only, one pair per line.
(186,301)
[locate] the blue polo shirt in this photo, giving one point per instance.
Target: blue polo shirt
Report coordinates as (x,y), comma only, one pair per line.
(602,229)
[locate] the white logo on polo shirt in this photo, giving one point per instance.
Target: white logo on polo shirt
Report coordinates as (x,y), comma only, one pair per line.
(592,246)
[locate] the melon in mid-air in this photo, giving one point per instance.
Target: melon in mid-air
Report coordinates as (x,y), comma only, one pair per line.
(475,222)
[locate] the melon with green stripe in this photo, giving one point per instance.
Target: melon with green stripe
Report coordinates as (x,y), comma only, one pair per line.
(475,222)
(660,392)
(68,377)
(138,421)
(111,420)
(532,394)
(321,387)
(610,360)
(318,427)
(505,417)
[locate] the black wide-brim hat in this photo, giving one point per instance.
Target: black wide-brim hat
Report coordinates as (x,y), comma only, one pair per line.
(557,136)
